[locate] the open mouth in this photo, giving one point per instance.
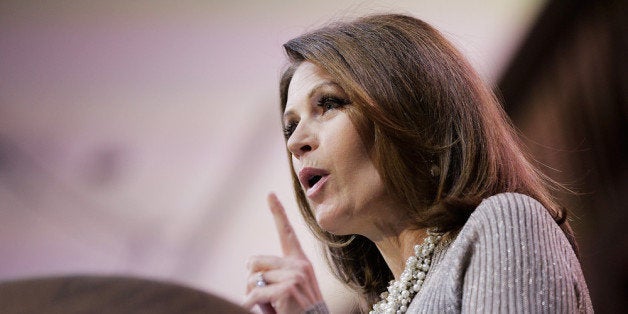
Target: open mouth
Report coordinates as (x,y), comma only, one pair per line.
(312,179)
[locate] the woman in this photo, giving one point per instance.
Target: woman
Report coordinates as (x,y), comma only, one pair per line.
(408,171)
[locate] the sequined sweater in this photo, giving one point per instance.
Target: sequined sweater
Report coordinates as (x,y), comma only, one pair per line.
(510,257)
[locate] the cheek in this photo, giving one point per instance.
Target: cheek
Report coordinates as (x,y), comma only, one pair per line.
(354,155)
(295,163)
(360,177)
(346,142)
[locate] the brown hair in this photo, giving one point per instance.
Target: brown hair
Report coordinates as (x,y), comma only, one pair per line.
(419,106)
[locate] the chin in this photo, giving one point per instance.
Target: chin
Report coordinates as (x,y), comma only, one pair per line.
(330,221)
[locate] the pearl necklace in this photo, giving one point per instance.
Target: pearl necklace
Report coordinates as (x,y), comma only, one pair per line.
(400,292)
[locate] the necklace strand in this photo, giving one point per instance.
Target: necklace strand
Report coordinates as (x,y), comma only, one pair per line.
(400,292)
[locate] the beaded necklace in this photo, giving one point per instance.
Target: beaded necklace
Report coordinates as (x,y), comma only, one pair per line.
(400,292)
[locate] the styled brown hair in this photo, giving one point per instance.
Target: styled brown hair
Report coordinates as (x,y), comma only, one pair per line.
(438,137)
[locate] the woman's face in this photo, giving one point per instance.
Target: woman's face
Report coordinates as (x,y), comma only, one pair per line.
(342,185)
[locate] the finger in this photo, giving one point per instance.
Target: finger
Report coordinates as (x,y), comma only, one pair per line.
(289,243)
(267,308)
(278,292)
(261,296)
(254,279)
(259,263)
(275,276)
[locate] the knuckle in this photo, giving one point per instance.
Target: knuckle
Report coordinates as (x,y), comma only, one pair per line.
(250,283)
(286,288)
(249,262)
(251,296)
(288,231)
(252,261)
(298,277)
(292,290)
(304,265)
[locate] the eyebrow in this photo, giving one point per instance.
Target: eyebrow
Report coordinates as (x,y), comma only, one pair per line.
(312,92)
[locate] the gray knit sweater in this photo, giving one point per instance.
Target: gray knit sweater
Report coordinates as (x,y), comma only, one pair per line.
(510,256)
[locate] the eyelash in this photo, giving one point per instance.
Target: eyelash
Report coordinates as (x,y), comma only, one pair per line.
(289,129)
(336,102)
(326,102)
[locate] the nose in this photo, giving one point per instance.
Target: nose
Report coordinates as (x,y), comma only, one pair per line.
(302,140)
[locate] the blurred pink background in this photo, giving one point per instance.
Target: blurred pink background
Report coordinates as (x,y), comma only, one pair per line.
(141,137)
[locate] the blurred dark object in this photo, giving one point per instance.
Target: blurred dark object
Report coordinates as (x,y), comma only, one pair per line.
(86,294)
(566,90)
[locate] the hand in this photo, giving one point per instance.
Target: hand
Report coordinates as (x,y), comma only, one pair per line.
(291,285)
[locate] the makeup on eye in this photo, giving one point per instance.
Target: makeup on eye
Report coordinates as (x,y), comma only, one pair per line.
(289,128)
(326,102)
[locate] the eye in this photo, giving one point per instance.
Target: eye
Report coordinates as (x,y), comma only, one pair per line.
(289,128)
(331,102)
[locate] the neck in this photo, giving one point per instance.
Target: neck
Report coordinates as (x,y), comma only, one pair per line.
(397,246)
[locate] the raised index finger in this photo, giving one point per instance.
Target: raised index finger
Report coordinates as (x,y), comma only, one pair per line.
(289,243)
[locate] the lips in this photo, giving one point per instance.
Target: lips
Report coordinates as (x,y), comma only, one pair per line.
(312,180)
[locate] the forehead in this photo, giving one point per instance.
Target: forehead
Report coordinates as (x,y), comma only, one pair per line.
(307,78)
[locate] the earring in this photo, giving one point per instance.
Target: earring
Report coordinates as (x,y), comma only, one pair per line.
(434,170)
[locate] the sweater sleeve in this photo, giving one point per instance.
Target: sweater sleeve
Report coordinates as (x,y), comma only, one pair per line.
(520,261)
